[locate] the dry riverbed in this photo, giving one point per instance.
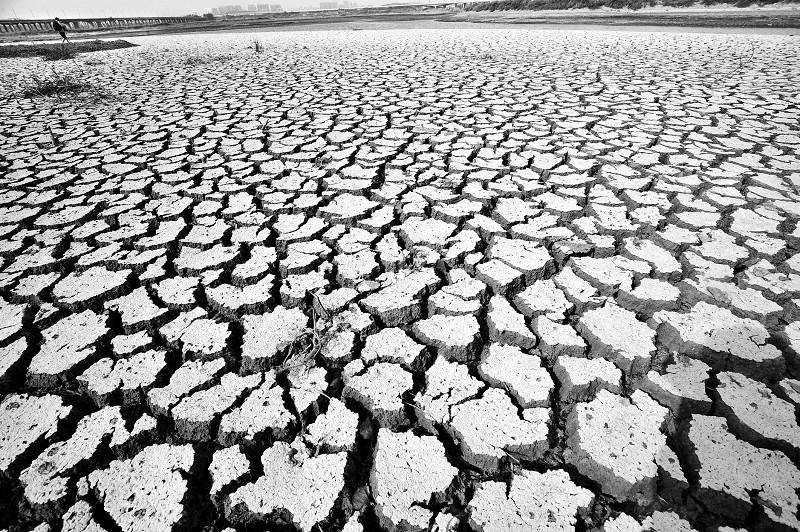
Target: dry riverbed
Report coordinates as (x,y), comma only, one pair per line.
(447,279)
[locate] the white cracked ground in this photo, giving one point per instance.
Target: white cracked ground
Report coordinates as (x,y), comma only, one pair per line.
(489,280)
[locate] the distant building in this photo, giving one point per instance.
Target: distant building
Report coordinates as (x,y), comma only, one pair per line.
(329,5)
(264,8)
(228,10)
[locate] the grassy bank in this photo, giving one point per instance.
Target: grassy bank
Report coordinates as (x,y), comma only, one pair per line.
(55,51)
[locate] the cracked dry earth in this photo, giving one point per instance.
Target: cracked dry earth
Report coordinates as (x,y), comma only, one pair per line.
(449,280)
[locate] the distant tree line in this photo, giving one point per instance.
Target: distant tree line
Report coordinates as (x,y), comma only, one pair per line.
(538,5)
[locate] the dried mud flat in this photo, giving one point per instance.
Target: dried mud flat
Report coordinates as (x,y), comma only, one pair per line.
(486,280)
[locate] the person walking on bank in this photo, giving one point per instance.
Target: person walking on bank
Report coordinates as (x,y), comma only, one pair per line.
(61,29)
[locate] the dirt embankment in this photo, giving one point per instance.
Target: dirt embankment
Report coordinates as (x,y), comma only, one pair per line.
(61,51)
(687,13)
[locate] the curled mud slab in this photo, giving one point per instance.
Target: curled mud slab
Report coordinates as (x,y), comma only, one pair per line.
(460,280)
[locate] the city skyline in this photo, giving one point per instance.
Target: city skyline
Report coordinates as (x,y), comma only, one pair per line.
(47,9)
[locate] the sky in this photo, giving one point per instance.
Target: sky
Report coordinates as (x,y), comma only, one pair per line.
(124,8)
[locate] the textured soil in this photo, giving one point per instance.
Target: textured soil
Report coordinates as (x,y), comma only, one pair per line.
(403,280)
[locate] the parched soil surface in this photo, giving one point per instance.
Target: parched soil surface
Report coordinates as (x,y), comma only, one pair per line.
(457,280)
